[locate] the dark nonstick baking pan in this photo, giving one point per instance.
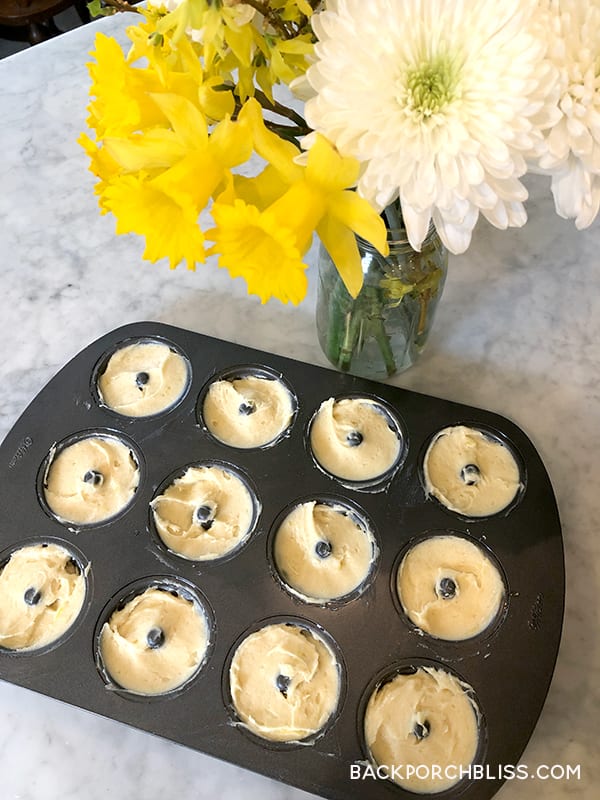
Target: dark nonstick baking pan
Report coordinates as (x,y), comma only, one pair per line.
(509,666)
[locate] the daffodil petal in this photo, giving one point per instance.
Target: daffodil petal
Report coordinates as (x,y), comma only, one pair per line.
(261,190)
(155,149)
(327,168)
(192,180)
(268,145)
(231,142)
(301,209)
(360,216)
(187,121)
(340,243)
(215,104)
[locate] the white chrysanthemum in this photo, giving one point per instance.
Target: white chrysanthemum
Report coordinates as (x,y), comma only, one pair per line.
(573,143)
(441,101)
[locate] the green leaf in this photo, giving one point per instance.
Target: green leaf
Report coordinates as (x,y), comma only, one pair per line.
(96,9)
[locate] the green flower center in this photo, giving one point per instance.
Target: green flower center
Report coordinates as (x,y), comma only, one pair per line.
(432,85)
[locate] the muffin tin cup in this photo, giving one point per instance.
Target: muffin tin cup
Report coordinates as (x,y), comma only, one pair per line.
(218,559)
(102,364)
(172,585)
(236,372)
(409,667)
(358,515)
(58,447)
(242,591)
(378,483)
(494,435)
(84,568)
(235,720)
(461,648)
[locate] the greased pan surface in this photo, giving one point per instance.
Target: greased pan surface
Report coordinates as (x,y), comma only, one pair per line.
(509,667)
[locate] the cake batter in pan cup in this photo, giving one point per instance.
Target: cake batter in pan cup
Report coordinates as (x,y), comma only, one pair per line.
(259,412)
(479,473)
(276,685)
(448,610)
(148,633)
(421,699)
(206,514)
(351,548)
(92,476)
(143,390)
(50,581)
(364,447)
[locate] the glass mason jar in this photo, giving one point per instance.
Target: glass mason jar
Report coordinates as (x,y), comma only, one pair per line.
(383,330)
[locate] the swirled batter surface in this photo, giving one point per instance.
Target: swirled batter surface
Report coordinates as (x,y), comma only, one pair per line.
(449,587)
(322,552)
(426,719)
(470,473)
(247,412)
(352,439)
(42,591)
(143,379)
(205,513)
(155,643)
(91,480)
(285,682)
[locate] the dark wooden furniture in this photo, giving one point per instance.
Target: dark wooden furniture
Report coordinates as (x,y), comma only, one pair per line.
(33,20)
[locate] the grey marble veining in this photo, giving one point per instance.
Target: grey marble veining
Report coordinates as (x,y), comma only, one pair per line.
(518,332)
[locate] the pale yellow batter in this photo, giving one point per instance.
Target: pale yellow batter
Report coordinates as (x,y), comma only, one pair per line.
(155,643)
(352,439)
(322,553)
(42,591)
(204,514)
(423,720)
(143,379)
(91,480)
(470,473)
(285,682)
(247,412)
(449,587)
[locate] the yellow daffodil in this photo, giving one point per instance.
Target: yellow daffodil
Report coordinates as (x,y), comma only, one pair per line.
(122,94)
(253,245)
(346,214)
(317,199)
(121,104)
(178,114)
(171,230)
(102,165)
(166,177)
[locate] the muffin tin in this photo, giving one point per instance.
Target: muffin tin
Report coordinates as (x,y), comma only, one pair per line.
(509,666)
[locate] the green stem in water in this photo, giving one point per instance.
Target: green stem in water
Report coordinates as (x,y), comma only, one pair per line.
(349,330)
(353,323)
(424,299)
(334,323)
(378,328)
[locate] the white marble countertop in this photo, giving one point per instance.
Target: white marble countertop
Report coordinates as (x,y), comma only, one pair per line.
(518,332)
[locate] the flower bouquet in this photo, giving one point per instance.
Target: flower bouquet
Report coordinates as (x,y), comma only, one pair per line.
(240,128)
